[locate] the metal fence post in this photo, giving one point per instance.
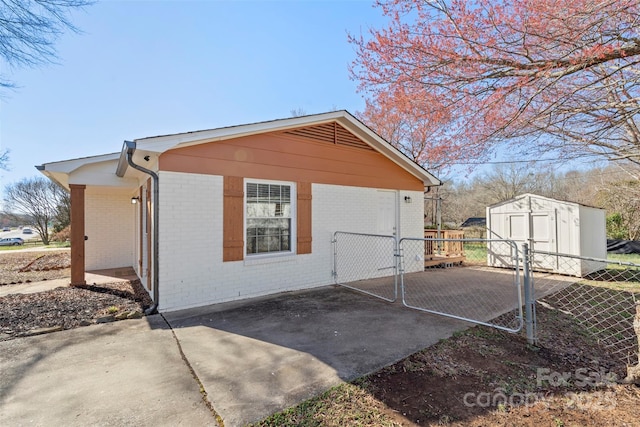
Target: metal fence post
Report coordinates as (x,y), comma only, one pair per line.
(529,299)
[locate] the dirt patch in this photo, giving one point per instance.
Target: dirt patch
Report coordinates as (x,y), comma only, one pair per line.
(485,377)
(26,267)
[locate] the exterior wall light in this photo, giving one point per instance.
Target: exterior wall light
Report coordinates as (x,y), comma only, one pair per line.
(135,200)
(407,199)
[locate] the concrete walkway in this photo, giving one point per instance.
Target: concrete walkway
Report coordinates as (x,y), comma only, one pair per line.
(119,374)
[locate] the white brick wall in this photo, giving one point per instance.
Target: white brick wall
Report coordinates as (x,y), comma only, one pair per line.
(110,228)
(412,225)
(191,269)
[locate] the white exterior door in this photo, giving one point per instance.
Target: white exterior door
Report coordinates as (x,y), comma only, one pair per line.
(543,238)
(387,215)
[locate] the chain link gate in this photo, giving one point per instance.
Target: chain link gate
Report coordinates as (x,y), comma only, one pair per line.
(482,294)
(366,263)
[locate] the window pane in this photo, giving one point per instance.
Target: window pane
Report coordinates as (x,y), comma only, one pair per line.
(251,245)
(252,192)
(268,218)
(274,192)
(285,242)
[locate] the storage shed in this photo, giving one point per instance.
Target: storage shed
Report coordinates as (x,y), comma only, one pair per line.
(550,227)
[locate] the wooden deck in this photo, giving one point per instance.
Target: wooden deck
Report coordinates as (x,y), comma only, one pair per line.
(440,261)
(448,252)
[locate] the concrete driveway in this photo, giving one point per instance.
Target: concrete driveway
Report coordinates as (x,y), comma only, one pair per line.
(257,357)
(117,374)
(253,358)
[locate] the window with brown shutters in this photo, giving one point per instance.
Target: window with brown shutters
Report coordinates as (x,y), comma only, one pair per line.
(269,217)
(263,217)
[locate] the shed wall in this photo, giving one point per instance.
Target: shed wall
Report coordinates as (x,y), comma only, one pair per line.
(551,226)
(593,232)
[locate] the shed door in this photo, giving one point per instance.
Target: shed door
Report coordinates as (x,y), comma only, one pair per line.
(518,228)
(543,238)
(387,213)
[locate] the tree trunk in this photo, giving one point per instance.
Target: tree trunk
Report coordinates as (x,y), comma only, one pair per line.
(633,372)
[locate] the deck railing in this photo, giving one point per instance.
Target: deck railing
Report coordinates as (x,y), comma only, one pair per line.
(444,248)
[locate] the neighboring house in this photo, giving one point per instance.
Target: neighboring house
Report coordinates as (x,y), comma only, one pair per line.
(550,227)
(240,211)
(476,222)
(474,227)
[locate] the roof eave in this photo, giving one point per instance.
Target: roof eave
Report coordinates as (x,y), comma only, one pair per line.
(162,143)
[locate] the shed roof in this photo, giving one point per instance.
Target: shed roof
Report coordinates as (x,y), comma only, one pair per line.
(536,196)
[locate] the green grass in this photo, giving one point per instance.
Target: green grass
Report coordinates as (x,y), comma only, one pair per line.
(344,405)
(36,244)
(475,251)
(632,258)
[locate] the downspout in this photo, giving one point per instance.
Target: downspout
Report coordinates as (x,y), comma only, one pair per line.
(131,148)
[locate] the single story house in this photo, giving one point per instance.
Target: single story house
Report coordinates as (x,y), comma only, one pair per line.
(236,212)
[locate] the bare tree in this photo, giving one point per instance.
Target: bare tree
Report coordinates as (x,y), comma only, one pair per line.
(298,112)
(30,28)
(622,201)
(63,212)
(4,159)
(507,181)
(39,199)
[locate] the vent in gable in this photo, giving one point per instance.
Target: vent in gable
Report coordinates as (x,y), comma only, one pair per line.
(331,133)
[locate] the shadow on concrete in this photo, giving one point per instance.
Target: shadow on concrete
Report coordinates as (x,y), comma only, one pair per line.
(260,356)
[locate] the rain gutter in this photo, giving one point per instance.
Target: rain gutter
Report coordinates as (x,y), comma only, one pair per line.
(130,149)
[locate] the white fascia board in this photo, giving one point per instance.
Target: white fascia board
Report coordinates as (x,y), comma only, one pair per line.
(68,166)
(160,144)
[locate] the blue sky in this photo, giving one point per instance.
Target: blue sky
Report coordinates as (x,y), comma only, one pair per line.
(143,68)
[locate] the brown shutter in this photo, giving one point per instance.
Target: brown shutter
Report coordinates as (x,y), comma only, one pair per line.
(233,219)
(77,234)
(304,217)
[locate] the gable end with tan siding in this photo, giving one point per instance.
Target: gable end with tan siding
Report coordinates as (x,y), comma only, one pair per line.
(323,154)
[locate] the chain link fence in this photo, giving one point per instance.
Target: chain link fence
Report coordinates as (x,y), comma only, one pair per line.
(600,294)
(486,291)
(493,286)
(366,263)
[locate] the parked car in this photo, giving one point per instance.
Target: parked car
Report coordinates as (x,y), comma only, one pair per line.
(6,229)
(11,241)
(27,231)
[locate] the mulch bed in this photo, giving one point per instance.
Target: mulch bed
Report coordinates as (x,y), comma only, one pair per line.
(70,307)
(63,307)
